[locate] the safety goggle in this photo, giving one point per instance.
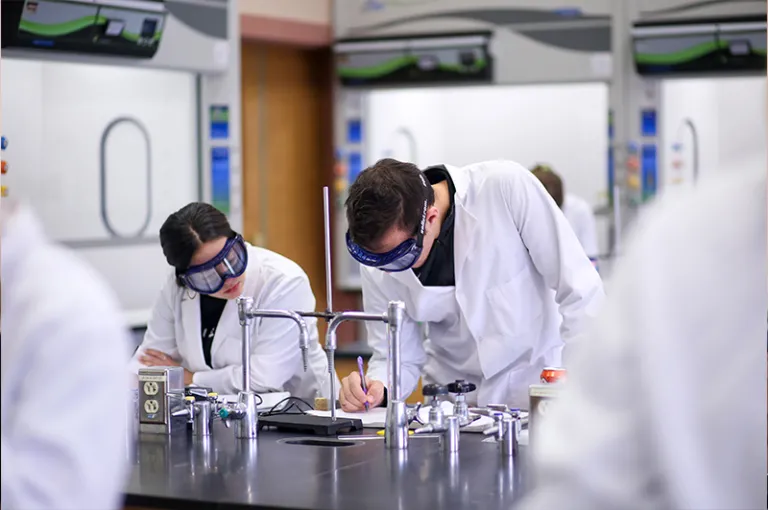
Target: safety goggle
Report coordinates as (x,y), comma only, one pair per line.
(209,278)
(402,257)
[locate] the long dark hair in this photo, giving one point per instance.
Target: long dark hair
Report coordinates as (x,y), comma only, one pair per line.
(187,229)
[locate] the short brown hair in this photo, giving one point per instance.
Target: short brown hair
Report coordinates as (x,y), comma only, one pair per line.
(388,194)
(551,181)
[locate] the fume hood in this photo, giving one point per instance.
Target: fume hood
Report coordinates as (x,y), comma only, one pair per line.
(690,37)
(112,27)
(700,46)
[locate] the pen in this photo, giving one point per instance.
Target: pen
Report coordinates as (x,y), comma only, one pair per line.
(362,378)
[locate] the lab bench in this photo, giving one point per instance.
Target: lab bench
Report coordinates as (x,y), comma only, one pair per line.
(221,472)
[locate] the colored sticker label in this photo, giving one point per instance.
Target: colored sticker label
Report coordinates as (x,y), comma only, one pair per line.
(355,165)
(220,178)
(354,131)
(649,170)
(219,122)
(648,123)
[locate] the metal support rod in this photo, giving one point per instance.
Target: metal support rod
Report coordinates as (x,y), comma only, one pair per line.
(244,304)
(396,424)
(327,225)
(395,312)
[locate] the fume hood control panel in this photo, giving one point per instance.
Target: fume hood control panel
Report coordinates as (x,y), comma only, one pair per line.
(414,61)
(700,46)
(131,28)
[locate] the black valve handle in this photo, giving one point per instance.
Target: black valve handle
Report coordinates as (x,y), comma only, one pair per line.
(434,390)
(461,386)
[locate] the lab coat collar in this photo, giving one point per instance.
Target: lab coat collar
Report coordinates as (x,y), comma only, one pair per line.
(464,221)
(460,178)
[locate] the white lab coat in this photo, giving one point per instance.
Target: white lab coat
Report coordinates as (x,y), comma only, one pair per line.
(62,383)
(579,214)
(274,282)
(665,403)
(523,284)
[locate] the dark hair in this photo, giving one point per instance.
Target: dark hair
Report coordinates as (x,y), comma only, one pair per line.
(551,181)
(388,194)
(187,229)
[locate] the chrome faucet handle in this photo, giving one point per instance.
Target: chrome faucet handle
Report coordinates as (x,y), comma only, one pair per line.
(413,414)
(459,388)
(188,410)
(231,411)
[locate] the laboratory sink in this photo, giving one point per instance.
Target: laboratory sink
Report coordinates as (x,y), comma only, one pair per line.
(322,442)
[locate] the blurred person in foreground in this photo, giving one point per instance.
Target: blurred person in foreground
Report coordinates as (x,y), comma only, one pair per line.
(576,210)
(663,407)
(62,380)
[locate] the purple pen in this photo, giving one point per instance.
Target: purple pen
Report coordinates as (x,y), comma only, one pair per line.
(362,377)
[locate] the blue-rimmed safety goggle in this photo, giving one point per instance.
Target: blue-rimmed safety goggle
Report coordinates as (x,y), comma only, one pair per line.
(403,257)
(209,278)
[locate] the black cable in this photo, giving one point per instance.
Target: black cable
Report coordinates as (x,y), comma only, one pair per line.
(289,403)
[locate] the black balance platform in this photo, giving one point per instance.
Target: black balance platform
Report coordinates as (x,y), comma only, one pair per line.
(309,424)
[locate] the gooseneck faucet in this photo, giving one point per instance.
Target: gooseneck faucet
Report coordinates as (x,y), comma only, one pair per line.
(244,412)
(396,431)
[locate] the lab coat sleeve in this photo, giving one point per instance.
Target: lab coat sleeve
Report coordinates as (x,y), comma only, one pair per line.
(412,354)
(661,407)
(56,452)
(275,353)
(161,333)
(588,449)
(554,250)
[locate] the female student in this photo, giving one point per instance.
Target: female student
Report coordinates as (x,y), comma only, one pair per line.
(195,324)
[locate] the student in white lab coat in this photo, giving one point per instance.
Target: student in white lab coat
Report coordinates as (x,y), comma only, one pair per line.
(481,254)
(195,323)
(62,384)
(577,211)
(664,404)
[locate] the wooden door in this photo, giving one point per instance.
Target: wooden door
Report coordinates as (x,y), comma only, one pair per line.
(286,152)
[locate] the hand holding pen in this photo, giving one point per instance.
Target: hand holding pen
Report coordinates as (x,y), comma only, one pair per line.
(359,393)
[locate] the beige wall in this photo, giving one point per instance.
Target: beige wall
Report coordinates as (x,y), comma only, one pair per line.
(306,11)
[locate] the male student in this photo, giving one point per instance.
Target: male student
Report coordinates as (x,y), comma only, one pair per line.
(485,257)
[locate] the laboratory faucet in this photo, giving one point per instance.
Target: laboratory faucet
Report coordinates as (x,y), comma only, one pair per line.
(396,426)
(448,430)
(200,413)
(244,411)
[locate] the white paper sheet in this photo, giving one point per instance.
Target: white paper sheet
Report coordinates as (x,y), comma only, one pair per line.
(373,419)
